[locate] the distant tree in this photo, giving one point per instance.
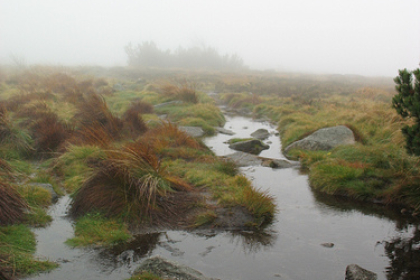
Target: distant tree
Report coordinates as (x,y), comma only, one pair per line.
(147,54)
(407,104)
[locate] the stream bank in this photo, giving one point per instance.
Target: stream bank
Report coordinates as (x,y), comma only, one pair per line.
(290,248)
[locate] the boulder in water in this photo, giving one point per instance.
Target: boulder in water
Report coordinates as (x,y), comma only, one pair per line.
(260,134)
(355,272)
(169,270)
(253,146)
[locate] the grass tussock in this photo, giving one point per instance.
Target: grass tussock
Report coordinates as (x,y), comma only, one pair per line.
(183,91)
(130,182)
(12,205)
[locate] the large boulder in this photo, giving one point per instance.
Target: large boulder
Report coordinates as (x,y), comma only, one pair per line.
(260,134)
(355,272)
(169,270)
(253,146)
(325,139)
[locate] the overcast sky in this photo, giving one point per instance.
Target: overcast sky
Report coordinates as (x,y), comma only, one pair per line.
(367,37)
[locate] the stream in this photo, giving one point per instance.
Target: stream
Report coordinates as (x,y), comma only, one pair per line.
(312,237)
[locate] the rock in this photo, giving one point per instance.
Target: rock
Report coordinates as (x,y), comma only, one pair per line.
(355,272)
(279,163)
(193,131)
(324,139)
(253,146)
(48,187)
(224,131)
(170,270)
(327,245)
(242,159)
(260,134)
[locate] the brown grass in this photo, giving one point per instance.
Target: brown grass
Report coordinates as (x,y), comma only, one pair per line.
(182,91)
(132,184)
(12,205)
(133,121)
(93,111)
(168,135)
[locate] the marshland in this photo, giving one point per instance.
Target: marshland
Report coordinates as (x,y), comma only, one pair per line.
(209,139)
(112,143)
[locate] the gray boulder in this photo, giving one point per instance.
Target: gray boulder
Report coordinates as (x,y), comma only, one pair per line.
(260,134)
(169,270)
(279,163)
(355,272)
(242,159)
(324,139)
(193,131)
(253,146)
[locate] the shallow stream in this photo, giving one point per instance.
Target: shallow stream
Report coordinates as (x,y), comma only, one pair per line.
(313,236)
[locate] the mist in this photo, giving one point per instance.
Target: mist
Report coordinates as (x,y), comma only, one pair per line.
(373,38)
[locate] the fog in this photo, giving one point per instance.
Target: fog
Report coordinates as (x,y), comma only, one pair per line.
(374,37)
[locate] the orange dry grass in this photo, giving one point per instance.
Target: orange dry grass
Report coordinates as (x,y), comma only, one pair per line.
(130,183)
(168,135)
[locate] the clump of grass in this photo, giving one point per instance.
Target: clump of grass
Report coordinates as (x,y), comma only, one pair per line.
(77,164)
(95,229)
(16,142)
(94,113)
(12,205)
(130,182)
(133,120)
(183,91)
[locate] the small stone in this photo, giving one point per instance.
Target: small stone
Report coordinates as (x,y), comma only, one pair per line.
(327,245)
(355,272)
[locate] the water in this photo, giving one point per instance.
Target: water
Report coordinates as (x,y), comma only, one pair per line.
(373,237)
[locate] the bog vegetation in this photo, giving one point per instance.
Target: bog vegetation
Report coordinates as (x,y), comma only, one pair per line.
(111,138)
(114,144)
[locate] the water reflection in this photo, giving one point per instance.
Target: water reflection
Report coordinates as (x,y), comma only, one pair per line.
(404,255)
(343,204)
(253,241)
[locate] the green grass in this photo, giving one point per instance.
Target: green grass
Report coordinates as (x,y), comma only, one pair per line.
(145,276)
(75,165)
(17,246)
(95,229)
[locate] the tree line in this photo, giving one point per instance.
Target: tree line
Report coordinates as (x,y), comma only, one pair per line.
(147,54)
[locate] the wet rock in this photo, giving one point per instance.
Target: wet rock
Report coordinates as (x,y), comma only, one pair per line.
(327,245)
(170,270)
(355,272)
(193,131)
(324,139)
(253,146)
(48,187)
(279,163)
(242,159)
(224,131)
(260,134)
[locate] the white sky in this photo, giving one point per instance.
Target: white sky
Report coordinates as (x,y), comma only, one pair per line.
(367,37)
